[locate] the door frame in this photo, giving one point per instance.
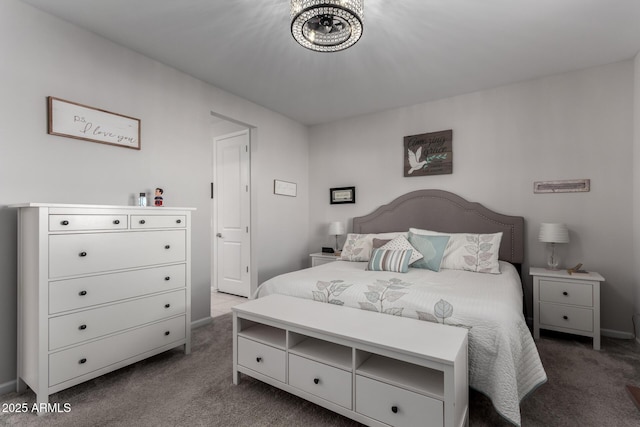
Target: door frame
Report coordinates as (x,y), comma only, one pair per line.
(214,206)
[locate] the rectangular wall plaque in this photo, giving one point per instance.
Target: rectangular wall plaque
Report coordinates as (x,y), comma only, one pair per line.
(566,186)
(78,121)
(285,188)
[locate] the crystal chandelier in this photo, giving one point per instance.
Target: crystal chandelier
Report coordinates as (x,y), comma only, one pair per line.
(326,25)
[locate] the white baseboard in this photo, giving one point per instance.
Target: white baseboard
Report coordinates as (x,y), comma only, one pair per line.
(612,333)
(201,322)
(8,387)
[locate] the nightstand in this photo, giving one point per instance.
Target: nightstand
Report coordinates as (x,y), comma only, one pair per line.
(566,302)
(322,258)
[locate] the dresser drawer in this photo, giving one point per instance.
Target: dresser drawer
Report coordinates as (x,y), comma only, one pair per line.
(158,221)
(84,359)
(566,292)
(566,317)
(321,380)
(396,406)
(74,254)
(84,325)
(262,358)
(72,294)
(87,222)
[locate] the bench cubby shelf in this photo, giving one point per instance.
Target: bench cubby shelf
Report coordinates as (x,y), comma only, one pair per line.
(376,369)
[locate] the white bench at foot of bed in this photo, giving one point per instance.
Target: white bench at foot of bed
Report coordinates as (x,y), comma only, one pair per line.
(375,368)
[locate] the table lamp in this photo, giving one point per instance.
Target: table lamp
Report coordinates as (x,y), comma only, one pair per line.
(553,233)
(336,228)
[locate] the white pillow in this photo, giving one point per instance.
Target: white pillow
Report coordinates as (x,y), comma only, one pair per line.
(358,247)
(469,251)
(401,243)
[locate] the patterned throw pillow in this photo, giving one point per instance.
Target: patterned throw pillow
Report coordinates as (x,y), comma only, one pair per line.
(396,261)
(468,251)
(432,249)
(358,247)
(400,243)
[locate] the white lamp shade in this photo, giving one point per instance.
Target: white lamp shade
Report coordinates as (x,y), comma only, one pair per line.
(336,228)
(553,233)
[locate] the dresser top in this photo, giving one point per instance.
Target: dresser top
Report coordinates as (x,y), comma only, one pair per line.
(67,206)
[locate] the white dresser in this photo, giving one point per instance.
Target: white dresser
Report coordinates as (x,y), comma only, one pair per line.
(99,288)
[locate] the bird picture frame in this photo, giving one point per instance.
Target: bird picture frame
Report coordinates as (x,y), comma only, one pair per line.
(428,154)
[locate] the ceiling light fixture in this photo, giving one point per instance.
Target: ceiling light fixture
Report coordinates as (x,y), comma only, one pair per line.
(326,25)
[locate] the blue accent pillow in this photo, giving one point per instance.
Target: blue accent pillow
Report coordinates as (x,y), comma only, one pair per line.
(390,260)
(432,249)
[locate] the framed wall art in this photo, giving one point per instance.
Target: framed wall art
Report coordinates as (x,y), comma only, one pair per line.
(342,195)
(564,186)
(73,120)
(428,154)
(284,188)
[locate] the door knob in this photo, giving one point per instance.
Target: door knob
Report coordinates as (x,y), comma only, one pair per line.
(219,235)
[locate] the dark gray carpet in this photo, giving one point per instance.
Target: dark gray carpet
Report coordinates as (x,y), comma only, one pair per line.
(585,388)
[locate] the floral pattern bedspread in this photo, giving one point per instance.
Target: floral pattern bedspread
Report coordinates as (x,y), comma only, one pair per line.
(503,360)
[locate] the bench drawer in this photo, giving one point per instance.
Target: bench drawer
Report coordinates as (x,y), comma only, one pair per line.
(397,406)
(321,380)
(262,358)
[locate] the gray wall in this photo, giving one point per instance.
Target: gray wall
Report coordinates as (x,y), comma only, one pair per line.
(568,126)
(636,193)
(44,56)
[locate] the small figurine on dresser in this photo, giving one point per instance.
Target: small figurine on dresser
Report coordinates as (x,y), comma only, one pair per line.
(157,200)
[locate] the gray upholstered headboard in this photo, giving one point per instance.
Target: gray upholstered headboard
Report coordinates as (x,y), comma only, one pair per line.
(439,210)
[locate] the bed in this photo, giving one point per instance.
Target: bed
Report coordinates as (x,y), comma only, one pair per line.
(485,297)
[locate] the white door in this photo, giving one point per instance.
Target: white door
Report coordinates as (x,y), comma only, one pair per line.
(231,200)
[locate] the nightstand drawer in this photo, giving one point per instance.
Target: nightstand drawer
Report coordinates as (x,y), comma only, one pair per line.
(566,317)
(566,292)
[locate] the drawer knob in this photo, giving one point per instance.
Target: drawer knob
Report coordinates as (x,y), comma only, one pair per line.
(316,380)
(259,359)
(116,222)
(65,222)
(167,278)
(142,221)
(167,305)
(565,317)
(82,254)
(167,246)
(82,293)
(565,293)
(82,327)
(394,409)
(167,333)
(178,221)
(82,361)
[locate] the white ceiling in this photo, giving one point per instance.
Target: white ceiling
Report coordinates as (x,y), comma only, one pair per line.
(412,51)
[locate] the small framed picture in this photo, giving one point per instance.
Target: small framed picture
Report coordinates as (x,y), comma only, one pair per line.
(285,188)
(342,195)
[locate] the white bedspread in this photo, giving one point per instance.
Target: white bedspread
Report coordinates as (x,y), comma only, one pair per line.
(503,360)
